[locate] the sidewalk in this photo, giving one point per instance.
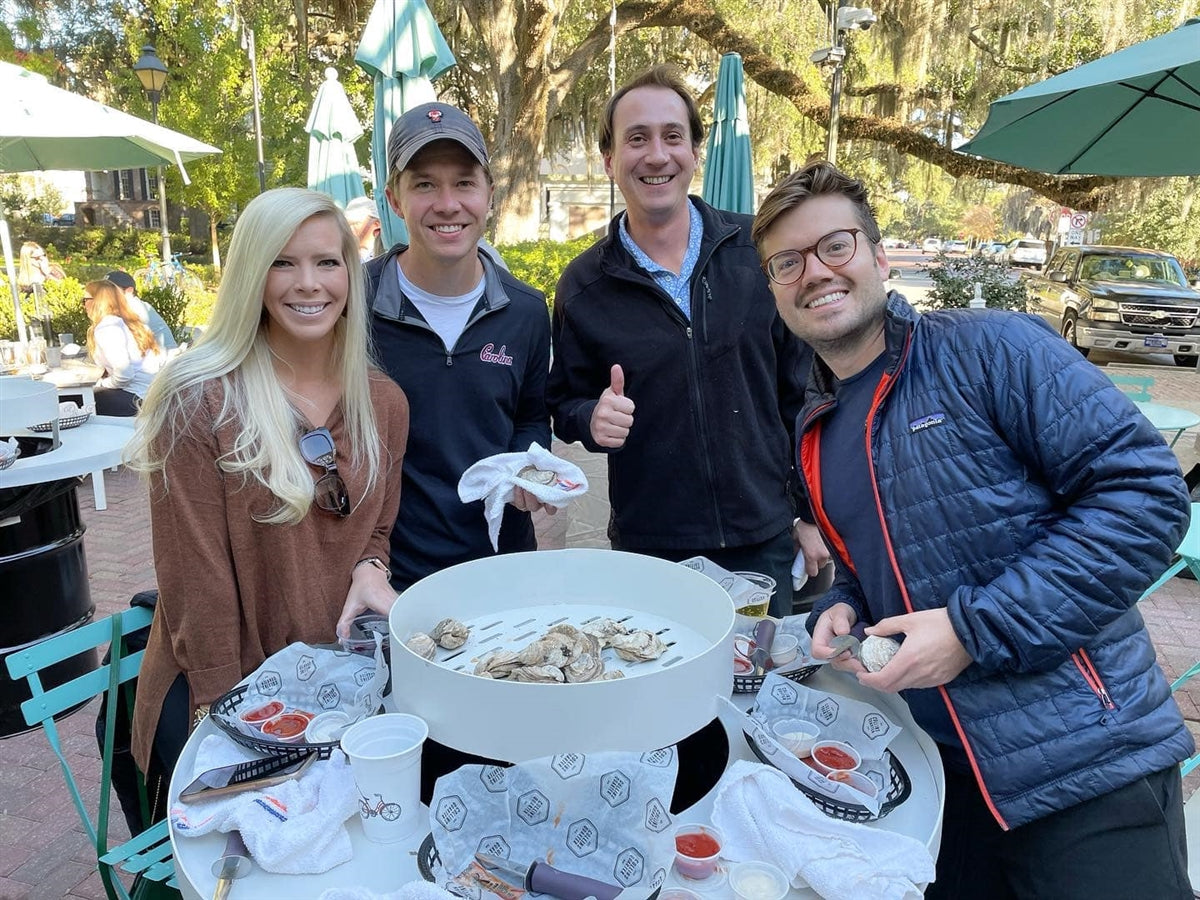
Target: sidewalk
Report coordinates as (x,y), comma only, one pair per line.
(44,855)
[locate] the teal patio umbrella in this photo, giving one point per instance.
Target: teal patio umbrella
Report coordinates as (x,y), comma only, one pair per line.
(403,50)
(1133,112)
(332,130)
(728,169)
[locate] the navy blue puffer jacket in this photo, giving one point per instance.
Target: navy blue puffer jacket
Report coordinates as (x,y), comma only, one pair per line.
(1027,495)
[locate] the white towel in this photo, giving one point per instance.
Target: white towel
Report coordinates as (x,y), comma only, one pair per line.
(492,480)
(293,828)
(764,816)
(799,571)
(414,890)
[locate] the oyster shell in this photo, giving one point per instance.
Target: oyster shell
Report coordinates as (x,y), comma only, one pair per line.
(450,633)
(586,667)
(539,674)
(538,476)
(612,675)
(604,630)
(876,652)
(497,664)
(422,645)
(638,646)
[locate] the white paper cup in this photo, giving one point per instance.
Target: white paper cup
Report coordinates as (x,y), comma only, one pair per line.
(385,757)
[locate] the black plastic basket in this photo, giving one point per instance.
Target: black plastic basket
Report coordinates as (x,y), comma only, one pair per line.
(749,684)
(64,422)
(899,790)
(227,705)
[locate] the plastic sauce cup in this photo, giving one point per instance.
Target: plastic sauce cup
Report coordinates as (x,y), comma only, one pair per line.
(856,780)
(758,881)
(834,756)
(798,735)
(697,849)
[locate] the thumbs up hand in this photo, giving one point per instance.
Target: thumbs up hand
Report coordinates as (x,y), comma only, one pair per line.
(613,416)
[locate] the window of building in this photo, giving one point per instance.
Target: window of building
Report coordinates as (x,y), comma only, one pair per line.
(151,184)
(125,184)
(153,220)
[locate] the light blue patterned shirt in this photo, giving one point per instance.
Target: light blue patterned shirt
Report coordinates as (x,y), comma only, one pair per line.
(678,286)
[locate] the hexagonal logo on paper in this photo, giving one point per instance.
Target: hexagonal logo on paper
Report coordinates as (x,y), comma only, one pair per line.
(826,712)
(533,807)
(582,837)
(628,868)
(329,696)
(364,675)
(659,759)
(657,817)
(568,765)
(785,692)
(614,788)
(268,683)
(306,667)
(470,891)
(875,725)
(495,844)
(494,779)
(451,812)
(658,879)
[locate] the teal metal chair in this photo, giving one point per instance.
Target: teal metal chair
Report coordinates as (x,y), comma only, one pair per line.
(1135,387)
(147,855)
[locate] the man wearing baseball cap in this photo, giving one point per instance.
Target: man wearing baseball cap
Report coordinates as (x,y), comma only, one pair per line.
(468,343)
(144,311)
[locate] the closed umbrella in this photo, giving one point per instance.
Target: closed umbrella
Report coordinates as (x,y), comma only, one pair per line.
(403,50)
(728,169)
(332,130)
(1134,112)
(45,127)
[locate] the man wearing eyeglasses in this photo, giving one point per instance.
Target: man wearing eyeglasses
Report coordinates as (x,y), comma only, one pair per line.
(1001,506)
(670,358)
(468,342)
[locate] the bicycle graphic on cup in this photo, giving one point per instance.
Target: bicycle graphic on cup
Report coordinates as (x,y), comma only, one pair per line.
(389,812)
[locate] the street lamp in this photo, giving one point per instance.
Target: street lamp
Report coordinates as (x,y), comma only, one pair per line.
(153,75)
(845,18)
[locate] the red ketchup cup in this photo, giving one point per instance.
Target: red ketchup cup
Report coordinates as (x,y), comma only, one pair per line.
(286,727)
(260,715)
(697,849)
(834,756)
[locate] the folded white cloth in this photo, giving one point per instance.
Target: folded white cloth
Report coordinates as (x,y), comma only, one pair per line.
(293,828)
(414,890)
(764,816)
(492,480)
(799,571)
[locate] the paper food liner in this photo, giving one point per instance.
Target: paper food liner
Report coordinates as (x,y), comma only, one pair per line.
(741,591)
(840,718)
(315,680)
(603,815)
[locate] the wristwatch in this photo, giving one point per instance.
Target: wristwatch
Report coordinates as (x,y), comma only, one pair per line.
(377,563)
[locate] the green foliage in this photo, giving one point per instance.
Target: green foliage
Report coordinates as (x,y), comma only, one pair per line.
(65,301)
(954,279)
(540,263)
(171,303)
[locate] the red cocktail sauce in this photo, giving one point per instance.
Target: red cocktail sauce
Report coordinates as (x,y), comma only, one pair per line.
(697,845)
(286,727)
(833,758)
(261,714)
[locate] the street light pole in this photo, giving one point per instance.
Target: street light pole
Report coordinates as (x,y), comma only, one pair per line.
(835,98)
(153,75)
(843,18)
(262,169)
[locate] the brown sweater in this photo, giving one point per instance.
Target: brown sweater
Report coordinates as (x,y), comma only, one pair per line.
(232,591)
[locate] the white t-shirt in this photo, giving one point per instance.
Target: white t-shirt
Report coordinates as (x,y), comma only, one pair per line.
(117,351)
(446,315)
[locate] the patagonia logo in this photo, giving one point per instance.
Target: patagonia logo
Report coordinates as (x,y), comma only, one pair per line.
(926,422)
(489,353)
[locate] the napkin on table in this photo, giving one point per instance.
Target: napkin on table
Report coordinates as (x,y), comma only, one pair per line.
(293,828)
(493,478)
(414,890)
(764,816)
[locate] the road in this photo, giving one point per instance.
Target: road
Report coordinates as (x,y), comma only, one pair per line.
(911,282)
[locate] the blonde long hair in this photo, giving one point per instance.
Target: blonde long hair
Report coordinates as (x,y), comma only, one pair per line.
(109,300)
(234,350)
(31,270)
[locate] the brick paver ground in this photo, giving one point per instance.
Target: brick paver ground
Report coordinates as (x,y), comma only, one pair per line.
(44,854)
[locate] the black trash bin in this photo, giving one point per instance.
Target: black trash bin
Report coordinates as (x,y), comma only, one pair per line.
(43,581)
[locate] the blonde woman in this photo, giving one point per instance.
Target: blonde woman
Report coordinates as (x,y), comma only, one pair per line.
(119,341)
(34,268)
(272,486)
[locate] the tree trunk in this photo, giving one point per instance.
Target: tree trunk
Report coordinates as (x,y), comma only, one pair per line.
(212,236)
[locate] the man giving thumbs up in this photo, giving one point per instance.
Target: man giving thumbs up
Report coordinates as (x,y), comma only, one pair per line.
(613,415)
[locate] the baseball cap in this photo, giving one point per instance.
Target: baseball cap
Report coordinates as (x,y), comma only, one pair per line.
(121,279)
(361,208)
(429,122)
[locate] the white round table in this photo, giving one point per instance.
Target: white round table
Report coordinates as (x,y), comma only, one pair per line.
(89,448)
(382,868)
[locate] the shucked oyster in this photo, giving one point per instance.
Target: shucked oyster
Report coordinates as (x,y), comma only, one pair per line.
(587,667)
(538,476)
(497,664)
(450,633)
(604,630)
(422,645)
(543,674)
(638,646)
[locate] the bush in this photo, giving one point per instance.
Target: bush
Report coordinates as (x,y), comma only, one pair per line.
(954,279)
(540,263)
(171,303)
(65,301)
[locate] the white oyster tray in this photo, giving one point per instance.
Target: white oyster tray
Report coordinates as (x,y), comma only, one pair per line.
(514,629)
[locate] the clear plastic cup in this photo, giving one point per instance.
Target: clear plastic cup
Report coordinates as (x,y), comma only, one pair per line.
(695,856)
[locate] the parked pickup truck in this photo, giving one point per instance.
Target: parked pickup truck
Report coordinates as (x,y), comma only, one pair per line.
(1119,298)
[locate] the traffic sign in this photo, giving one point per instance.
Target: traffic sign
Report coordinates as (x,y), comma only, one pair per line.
(1079,220)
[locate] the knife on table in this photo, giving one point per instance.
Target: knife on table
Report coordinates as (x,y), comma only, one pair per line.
(543,878)
(234,862)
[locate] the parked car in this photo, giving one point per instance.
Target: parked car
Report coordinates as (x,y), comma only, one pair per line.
(1026,252)
(1119,298)
(955,247)
(931,245)
(992,249)
(66,219)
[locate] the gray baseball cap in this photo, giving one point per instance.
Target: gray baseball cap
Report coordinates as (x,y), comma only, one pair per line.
(361,208)
(429,122)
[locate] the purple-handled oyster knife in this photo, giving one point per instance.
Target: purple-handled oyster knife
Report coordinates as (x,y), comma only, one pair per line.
(543,878)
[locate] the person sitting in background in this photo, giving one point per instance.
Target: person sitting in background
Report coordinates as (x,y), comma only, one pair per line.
(34,268)
(363,218)
(145,312)
(121,343)
(273,452)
